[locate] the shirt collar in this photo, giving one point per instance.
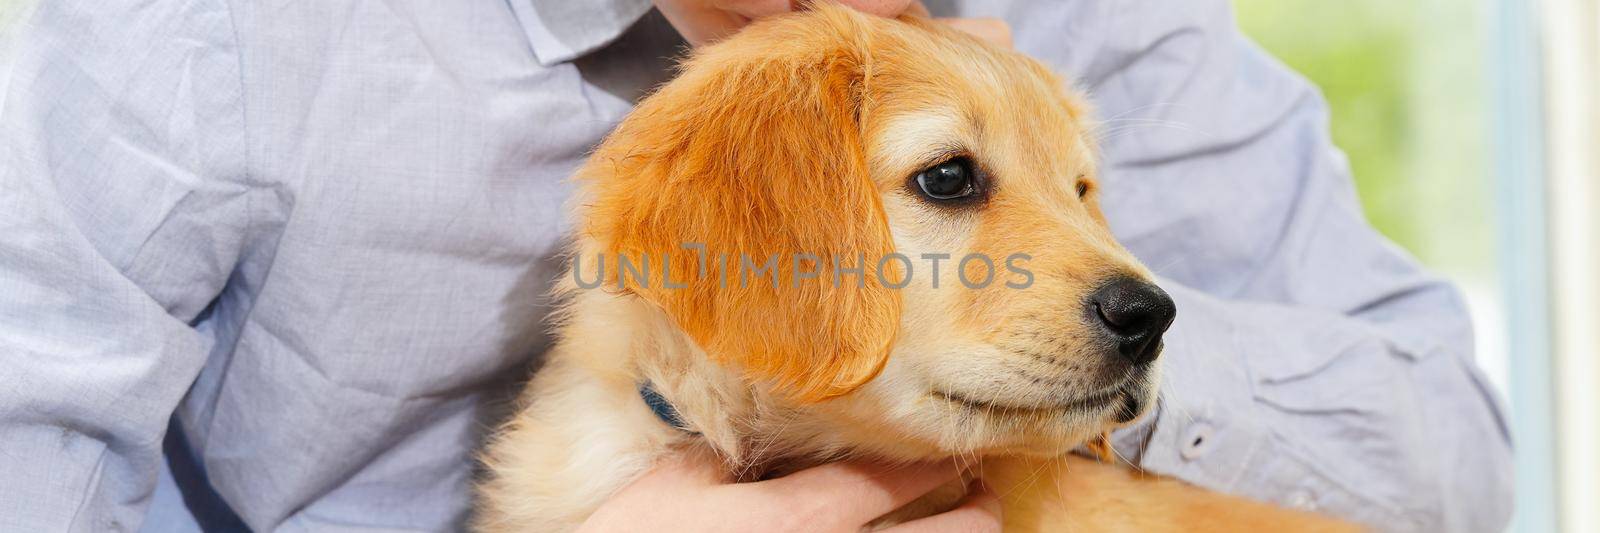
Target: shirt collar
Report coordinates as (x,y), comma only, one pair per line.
(564,30)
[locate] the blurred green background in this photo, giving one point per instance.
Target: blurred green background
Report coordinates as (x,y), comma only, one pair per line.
(8,9)
(1406,86)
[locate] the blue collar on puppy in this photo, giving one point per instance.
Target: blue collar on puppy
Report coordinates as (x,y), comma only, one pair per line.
(661,407)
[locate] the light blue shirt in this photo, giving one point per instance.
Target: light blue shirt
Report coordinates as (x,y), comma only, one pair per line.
(287,258)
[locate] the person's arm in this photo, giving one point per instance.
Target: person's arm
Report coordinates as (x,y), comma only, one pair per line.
(1330,412)
(1312,363)
(123,205)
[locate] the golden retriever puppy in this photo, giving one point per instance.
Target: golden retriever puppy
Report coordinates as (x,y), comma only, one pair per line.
(837,236)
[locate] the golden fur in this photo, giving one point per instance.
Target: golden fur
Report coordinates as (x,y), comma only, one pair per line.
(797,135)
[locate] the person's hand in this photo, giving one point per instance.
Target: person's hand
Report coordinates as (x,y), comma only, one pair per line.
(692,493)
(707,21)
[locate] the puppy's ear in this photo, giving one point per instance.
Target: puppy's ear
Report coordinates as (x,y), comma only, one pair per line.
(755,154)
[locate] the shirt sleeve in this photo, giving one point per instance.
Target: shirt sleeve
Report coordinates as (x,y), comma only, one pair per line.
(560,31)
(1312,363)
(1328,412)
(124,207)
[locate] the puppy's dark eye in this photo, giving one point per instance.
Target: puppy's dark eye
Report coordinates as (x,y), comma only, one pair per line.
(1083,189)
(948,180)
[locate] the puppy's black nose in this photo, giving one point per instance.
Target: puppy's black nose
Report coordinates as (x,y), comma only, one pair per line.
(1135,313)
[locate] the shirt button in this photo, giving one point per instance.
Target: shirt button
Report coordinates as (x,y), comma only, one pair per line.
(1301,499)
(1196,441)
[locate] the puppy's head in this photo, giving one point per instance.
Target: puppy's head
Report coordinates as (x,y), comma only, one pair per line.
(888,229)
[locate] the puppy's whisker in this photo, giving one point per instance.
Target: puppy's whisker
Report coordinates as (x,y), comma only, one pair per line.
(1117,133)
(1027,482)
(1107,134)
(775,435)
(1118,455)
(1172,262)
(1138,109)
(1171,401)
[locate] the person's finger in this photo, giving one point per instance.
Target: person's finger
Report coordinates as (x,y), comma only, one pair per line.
(917,8)
(883,8)
(855,493)
(993,30)
(978,513)
(700,24)
(755,9)
(694,467)
(686,474)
